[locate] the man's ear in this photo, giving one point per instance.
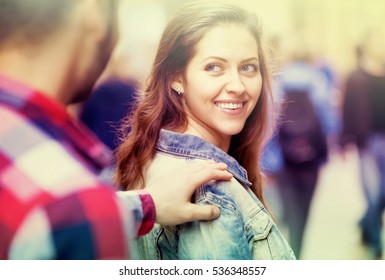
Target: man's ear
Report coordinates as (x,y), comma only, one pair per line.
(95,18)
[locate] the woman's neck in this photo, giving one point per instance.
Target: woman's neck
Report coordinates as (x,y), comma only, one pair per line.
(220,141)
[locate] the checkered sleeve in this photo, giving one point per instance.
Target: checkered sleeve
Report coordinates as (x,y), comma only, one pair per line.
(142,205)
(83,225)
(52,202)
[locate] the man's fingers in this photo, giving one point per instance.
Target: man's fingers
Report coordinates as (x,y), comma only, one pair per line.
(197,166)
(215,172)
(203,212)
(172,192)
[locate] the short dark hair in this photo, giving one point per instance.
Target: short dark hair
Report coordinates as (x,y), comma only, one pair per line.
(30,21)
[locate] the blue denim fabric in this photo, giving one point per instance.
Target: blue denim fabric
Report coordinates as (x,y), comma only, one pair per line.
(373,181)
(244,230)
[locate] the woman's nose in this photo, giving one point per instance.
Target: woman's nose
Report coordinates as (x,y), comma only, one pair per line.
(235,84)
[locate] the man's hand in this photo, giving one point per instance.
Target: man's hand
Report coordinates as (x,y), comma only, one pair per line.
(172,193)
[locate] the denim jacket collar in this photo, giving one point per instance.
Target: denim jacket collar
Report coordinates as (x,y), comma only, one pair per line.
(195,147)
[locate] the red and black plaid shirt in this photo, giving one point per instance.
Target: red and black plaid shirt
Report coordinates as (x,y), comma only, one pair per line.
(52,203)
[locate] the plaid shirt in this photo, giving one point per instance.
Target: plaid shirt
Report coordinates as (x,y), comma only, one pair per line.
(52,204)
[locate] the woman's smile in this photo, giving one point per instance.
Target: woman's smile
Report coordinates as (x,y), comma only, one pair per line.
(231,108)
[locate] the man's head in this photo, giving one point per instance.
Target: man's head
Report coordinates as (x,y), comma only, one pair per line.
(27,25)
(30,22)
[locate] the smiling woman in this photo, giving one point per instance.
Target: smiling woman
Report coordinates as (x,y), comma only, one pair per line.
(226,63)
(207,98)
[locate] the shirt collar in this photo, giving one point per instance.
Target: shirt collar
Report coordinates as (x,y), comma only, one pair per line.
(53,118)
(195,147)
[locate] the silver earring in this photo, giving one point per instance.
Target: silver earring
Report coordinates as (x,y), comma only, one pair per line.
(178,91)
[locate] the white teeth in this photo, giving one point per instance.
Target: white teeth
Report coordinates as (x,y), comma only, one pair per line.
(231,106)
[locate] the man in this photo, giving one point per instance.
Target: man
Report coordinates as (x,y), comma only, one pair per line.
(364,127)
(52,204)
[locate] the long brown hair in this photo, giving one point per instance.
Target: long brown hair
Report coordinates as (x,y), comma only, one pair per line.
(159,107)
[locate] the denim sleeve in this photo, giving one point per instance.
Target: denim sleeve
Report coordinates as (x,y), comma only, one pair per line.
(220,239)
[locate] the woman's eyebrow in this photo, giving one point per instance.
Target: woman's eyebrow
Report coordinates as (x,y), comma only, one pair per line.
(214,57)
(225,60)
(250,59)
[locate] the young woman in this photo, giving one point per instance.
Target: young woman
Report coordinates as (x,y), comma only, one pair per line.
(207,98)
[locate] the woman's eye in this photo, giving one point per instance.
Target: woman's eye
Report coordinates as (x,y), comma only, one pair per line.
(249,68)
(213,68)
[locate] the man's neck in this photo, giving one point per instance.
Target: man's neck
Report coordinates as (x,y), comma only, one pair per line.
(374,67)
(46,70)
(29,69)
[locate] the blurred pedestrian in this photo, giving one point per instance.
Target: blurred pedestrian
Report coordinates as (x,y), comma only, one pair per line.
(300,147)
(364,126)
(110,102)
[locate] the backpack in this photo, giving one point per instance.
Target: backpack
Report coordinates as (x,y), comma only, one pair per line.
(301,137)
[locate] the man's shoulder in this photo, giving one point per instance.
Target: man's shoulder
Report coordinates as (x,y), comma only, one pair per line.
(36,158)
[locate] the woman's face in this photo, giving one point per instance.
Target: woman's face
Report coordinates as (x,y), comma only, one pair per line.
(222,84)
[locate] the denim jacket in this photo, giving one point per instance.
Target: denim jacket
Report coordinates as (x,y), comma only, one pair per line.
(244,230)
